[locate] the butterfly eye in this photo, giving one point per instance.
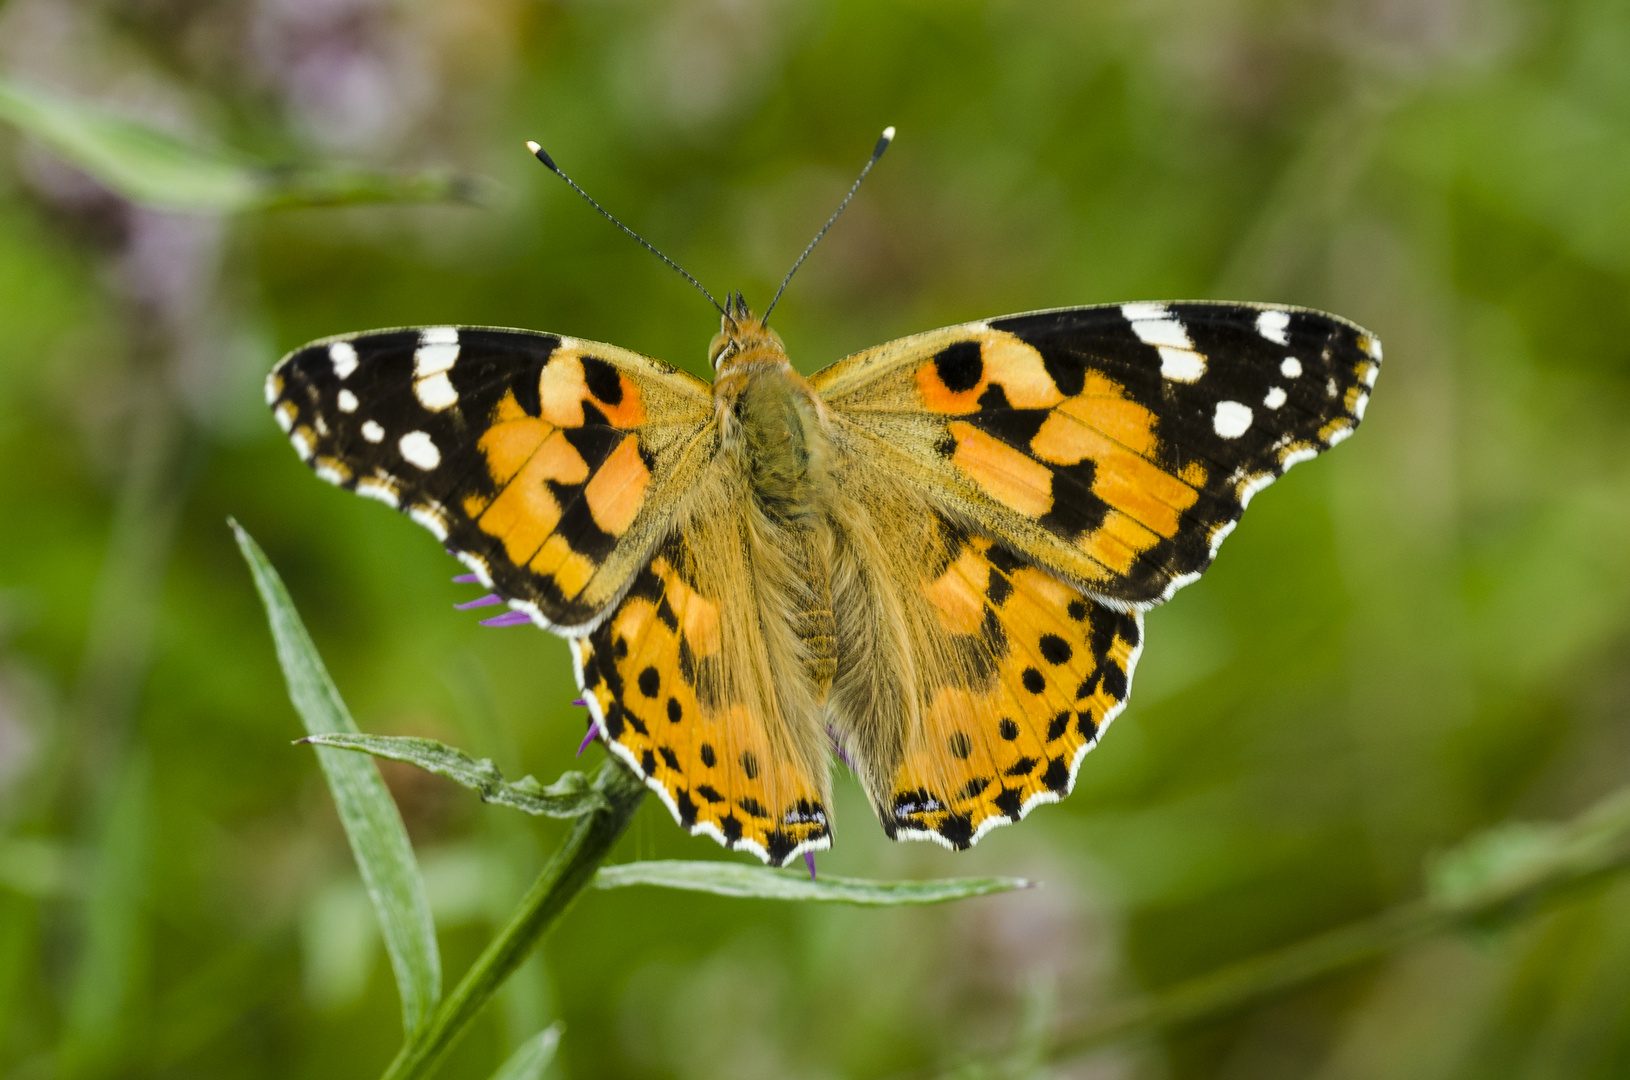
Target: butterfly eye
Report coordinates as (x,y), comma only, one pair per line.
(723,348)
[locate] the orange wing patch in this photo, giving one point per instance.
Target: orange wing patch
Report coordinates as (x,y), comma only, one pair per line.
(1049,456)
(1052,669)
(709,761)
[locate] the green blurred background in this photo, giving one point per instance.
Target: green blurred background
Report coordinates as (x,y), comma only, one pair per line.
(1421,635)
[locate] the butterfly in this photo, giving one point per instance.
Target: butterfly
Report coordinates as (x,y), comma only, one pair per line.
(930,558)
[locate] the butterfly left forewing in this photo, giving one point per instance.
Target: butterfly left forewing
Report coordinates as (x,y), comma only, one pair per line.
(552,466)
(1116,445)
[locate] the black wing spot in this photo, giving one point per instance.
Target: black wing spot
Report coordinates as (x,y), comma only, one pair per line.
(709,758)
(1055,650)
(1086,725)
(1114,681)
(1021,767)
(1009,802)
(648,763)
(602,380)
(1077,610)
(731,826)
(961,746)
(998,588)
(1057,776)
(676,712)
(957,828)
(752,806)
(687,809)
(973,787)
(707,792)
(669,758)
(1009,729)
(1033,680)
(1058,726)
(749,764)
(650,682)
(960,366)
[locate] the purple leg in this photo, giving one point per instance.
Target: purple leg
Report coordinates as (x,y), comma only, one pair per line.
(466,579)
(486,601)
(508,618)
(594,729)
(809,861)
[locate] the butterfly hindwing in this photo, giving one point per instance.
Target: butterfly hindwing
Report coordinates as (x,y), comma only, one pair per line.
(1117,445)
(550,465)
(650,676)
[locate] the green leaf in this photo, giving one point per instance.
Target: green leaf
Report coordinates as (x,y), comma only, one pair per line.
(531,1057)
(570,796)
(157,169)
(372,823)
(735,879)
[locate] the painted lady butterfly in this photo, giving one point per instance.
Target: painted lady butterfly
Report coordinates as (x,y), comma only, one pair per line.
(932,556)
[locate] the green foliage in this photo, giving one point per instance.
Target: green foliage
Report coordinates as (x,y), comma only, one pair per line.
(734,879)
(569,796)
(154,168)
(379,841)
(532,1057)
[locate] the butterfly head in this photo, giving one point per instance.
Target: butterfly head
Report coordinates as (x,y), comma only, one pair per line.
(743,339)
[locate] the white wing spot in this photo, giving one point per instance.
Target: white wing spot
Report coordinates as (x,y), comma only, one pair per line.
(1296,457)
(1232,419)
(1141,311)
(1291,368)
(1330,386)
(302,443)
(1360,405)
(274,387)
(436,393)
(381,490)
(1372,345)
(372,431)
(285,414)
(1370,373)
(1154,325)
(1340,435)
(1275,326)
(1275,398)
(1181,365)
(431,361)
(347,401)
(430,518)
(418,449)
(343,355)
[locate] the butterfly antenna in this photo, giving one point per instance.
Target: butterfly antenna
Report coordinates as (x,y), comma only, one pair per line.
(877,152)
(543,155)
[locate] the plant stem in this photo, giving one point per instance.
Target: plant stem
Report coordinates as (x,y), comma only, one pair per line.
(570,869)
(1591,846)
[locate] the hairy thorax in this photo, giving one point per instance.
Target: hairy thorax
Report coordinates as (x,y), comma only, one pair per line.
(771,423)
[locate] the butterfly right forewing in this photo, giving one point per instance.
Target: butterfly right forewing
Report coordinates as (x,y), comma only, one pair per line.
(1116,446)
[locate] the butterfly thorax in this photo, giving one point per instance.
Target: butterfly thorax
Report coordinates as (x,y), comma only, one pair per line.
(771,419)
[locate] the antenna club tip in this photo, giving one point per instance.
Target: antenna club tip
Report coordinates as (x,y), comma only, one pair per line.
(542,155)
(888,133)
(883,142)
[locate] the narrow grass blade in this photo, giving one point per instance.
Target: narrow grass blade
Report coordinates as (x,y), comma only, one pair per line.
(734,879)
(531,1057)
(570,796)
(372,823)
(157,169)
